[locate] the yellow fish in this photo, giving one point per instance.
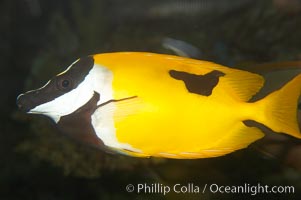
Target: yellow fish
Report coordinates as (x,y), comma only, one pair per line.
(146,104)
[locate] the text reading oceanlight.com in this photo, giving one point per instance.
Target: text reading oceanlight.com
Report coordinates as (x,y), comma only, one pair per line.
(190,188)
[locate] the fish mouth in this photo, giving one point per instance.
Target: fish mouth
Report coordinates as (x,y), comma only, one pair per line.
(23,103)
(36,112)
(115,100)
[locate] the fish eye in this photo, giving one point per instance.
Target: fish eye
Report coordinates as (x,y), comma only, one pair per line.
(64,84)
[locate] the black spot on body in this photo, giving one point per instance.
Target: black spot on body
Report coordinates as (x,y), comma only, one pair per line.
(57,86)
(198,84)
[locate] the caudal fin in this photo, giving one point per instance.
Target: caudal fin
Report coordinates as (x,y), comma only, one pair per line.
(280,109)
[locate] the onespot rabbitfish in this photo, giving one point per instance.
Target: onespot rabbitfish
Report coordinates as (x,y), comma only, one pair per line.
(145,104)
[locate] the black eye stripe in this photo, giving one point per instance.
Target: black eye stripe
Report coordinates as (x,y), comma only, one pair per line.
(75,76)
(79,70)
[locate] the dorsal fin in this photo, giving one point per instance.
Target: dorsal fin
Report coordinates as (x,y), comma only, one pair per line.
(241,84)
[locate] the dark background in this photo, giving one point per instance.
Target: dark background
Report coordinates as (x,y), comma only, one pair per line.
(38,39)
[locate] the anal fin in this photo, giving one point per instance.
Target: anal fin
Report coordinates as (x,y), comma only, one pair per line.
(241,137)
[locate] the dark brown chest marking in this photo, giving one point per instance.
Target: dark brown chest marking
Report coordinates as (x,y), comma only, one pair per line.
(198,84)
(58,85)
(78,124)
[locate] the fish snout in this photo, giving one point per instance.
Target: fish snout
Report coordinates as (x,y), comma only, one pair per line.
(21,103)
(24,103)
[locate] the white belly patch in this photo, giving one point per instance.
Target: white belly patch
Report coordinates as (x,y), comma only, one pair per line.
(103,124)
(103,118)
